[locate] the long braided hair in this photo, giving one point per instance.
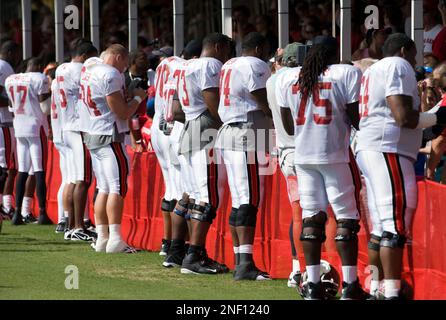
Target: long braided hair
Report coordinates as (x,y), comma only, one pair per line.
(315,63)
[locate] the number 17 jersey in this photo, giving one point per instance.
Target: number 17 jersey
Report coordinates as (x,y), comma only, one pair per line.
(321,125)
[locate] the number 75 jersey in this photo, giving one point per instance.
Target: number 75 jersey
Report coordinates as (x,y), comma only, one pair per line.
(321,125)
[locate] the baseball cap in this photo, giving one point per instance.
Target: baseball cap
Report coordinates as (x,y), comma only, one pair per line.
(164,51)
(290,52)
(192,48)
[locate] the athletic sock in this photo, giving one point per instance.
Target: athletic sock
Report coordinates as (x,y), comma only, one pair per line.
(237,255)
(392,288)
(296,266)
(194,249)
(60,211)
(103,235)
(19,190)
(115,232)
(176,246)
(314,273)
(26,206)
(7,201)
(349,274)
(41,189)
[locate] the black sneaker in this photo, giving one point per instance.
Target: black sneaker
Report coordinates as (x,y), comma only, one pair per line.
(313,291)
(294,279)
(165,246)
(17,219)
(220,267)
(194,264)
(44,219)
(353,291)
(61,226)
(248,271)
(173,260)
(7,214)
(30,219)
(82,235)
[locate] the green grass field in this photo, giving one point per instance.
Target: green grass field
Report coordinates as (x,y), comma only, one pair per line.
(33,260)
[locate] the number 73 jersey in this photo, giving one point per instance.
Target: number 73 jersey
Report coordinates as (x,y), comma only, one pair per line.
(321,126)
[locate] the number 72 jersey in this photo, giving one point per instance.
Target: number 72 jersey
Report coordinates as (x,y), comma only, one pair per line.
(321,126)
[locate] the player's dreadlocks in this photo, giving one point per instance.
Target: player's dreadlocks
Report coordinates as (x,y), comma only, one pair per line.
(317,60)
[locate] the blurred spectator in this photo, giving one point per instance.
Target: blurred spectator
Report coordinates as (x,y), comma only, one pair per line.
(240,26)
(374,42)
(393,18)
(431,29)
(264,26)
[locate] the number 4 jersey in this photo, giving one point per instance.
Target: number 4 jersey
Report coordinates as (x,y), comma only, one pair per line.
(322,128)
(23,91)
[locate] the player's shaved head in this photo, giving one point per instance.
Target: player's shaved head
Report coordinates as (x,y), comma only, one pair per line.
(399,44)
(117,56)
(215,38)
(217,45)
(10,52)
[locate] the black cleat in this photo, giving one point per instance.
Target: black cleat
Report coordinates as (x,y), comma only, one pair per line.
(353,291)
(165,246)
(61,226)
(17,219)
(44,219)
(194,264)
(248,271)
(313,291)
(30,219)
(173,260)
(294,279)
(83,235)
(220,267)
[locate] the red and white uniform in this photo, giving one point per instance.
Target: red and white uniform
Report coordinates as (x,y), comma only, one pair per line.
(239,78)
(325,169)
(160,142)
(79,159)
(385,151)
(30,123)
(8,152)
(195,76)
(110,162)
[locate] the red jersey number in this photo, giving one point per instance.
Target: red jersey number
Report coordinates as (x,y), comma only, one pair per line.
(86,97)
(318,102)
(23,90)
(225,80)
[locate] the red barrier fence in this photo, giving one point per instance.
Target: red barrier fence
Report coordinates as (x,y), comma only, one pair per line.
(424,259)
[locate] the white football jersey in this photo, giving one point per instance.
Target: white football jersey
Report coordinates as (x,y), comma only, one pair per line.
(68,77)
(163,72)
(378,130)
(429,37)
(239,77)
(56,123)
(283,139)
(5,71)
(98,80)
(170,88)
(23,90)
(197,75)
(322,127)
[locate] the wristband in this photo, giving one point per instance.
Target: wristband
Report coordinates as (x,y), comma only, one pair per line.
(426,120)
(137,99)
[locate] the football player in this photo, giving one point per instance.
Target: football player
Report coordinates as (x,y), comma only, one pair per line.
(10,56)
(319,106)
(389,138)
(26,91)
(198,93)
(77,155)
(102,89)
(243,109)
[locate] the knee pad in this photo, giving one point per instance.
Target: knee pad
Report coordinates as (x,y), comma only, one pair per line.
(313,228)
(205,213)
(172,205)
(181,212)
(233,217)
(374,245)
(392,240)
(246,216)
(347,230)
(165,205)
